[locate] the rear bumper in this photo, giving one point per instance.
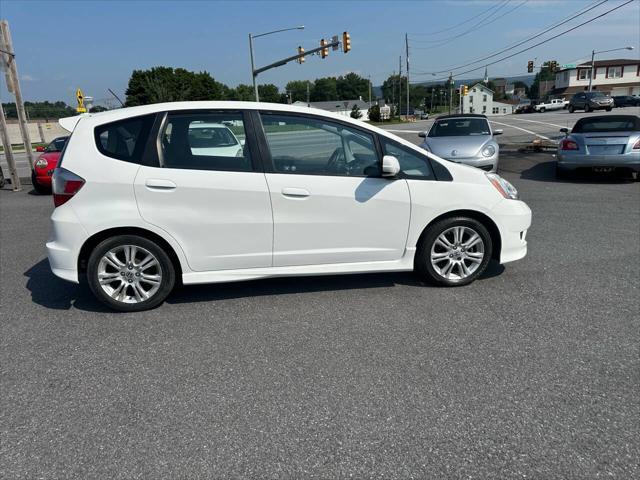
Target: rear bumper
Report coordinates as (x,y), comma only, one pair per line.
(66,240)
(514,217)
(574,161)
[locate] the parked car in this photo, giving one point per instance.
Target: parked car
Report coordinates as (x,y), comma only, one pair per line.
(424,116)
(466,138)
(311,193)
(626,101)
(46,163)
(589,101)
(601,144)
(555,104)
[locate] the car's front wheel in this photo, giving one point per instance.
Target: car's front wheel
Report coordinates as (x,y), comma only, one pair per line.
(454,252)
(571,108)
(40,189)
(587,108)
(130,273)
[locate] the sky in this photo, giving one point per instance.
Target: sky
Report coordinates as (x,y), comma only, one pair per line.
(96,44)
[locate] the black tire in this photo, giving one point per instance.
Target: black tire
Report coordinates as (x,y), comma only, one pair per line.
(39,189)
(608,109)
(562,174)
(166,269)
(587,108)
(571,108)
(423,265)
(542,110)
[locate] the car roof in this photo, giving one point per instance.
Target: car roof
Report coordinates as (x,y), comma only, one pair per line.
(461,115)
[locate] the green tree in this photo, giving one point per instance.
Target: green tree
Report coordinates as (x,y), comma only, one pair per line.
(355,112)
(242,93)
(269,93)
(98,109)
(324,89)
(44,110)
(390,87)
(374,113)
(351,87)
(298,90)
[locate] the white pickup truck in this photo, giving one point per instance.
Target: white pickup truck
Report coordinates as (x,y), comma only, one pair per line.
(555,104)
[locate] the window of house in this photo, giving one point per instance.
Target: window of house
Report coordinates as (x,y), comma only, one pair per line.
(484,98)
(495,110)
(484,109)
(470,99)
(584,74)
(314,146)
(614,72)
(474,90)
(566,76)
(504,110)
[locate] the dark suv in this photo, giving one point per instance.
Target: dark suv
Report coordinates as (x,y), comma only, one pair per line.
(588,101)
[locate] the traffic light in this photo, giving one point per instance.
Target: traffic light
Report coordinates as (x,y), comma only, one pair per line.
(300,59)
(465,90)
(346,42)
(324,53)
(530,66)
(553,65)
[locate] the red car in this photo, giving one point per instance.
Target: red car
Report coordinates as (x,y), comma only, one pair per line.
(46,163)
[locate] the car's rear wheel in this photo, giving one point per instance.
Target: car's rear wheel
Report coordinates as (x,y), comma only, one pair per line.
(130,273)
(40,189)
(571,108)
(609,109)
(587,108)
(454,252)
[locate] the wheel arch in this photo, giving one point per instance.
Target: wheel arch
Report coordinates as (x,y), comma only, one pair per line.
(490,225)
(95,239)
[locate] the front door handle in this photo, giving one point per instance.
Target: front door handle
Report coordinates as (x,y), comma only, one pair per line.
(158,184)
(295,192)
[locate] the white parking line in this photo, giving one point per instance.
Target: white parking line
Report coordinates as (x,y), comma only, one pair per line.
(537,121)
(403,131)
(518,128)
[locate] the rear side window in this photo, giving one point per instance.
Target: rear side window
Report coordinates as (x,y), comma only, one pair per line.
(124,139)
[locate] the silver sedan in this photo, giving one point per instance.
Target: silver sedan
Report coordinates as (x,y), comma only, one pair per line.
(601,144)
(465,138)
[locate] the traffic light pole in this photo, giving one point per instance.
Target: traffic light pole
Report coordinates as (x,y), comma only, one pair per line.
(284,61)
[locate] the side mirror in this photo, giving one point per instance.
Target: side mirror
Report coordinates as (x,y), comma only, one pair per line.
(390,166)
(565,131)
(422,134)
(242,142)
(497,132)
(39,148)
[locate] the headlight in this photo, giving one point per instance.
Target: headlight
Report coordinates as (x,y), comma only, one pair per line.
(505,188)
(42,163)
(489,151)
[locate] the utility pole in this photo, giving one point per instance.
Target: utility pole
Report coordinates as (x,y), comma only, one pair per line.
(308,95)
(10,58)
(253,68)
(8,152)
(399,87)
(450,91)
(406,42)
(393,93)
(369,91)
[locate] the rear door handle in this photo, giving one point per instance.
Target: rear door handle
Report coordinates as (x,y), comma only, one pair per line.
(295,192)
(157,184)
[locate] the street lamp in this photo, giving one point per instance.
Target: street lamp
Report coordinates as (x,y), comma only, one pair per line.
(594,53)
(253,68)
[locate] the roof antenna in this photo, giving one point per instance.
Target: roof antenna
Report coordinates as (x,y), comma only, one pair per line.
(117,98)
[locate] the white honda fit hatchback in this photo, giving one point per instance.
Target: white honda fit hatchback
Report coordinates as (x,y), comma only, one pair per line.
(141,204)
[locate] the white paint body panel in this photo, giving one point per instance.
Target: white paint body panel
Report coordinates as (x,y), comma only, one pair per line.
(230,226)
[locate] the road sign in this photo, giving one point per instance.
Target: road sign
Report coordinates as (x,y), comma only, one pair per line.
(568,65)
(80,98)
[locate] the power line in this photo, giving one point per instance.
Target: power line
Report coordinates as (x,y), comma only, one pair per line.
(481,24)
(543,41)
(548,29)
(457,25)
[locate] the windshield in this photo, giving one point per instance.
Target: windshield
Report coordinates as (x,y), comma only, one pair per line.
(595,94)
(460,127)
(607,124)
(57,145)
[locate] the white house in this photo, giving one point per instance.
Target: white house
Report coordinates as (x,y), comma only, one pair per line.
(341,107)
(480,100)
(615,77)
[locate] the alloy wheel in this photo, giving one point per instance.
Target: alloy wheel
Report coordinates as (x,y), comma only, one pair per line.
(457,253)
(129,274)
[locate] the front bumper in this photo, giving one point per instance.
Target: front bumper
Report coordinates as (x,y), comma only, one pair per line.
(514,219)
(488,164)
(574,161)
(66,240)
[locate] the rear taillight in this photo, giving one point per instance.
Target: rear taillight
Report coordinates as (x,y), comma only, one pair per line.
(567,144)
(65,184)
(637,145)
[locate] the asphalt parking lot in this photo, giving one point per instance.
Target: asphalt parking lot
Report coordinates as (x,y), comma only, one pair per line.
(530,372)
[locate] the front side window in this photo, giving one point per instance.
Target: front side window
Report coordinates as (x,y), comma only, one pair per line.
(205,141)
(124,139)
(412,164)
(314,146)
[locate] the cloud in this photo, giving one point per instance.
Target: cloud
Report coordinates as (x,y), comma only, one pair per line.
(27,78)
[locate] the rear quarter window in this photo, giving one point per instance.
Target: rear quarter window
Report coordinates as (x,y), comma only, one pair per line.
(124,139)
